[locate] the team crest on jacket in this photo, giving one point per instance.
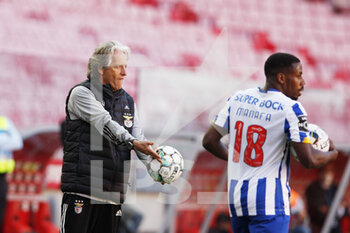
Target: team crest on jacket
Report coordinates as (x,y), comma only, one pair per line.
(128,120)
(78,208)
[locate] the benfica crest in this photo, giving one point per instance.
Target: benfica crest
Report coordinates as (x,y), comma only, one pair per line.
(128,121)
(78,208)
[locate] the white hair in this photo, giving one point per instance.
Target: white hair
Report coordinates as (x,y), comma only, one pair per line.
(102,56)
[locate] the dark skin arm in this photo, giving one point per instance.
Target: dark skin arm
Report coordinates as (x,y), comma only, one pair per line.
(308,156)
(211,142)
(312,158)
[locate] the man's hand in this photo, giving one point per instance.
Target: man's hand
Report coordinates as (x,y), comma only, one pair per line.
(146,148)
(331,145)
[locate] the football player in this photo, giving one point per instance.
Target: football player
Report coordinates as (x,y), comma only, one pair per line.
(262,123)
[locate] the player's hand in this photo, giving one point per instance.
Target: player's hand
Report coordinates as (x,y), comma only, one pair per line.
(331,145)
(146,148)
(333,149)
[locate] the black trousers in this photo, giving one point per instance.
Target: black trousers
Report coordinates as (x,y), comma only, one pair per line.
(79,215)
(3,192)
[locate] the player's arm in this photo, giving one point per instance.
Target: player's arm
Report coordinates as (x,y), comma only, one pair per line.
(212,143)
(83,104)
(138,133)
(312,158)
(219,127)
(298,134)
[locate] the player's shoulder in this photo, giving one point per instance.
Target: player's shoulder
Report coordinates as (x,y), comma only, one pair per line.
(291,105)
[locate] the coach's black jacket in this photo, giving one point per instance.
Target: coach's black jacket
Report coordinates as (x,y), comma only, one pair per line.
(78,153)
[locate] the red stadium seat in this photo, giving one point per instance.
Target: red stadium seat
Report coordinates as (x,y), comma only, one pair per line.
(189,221)
(342,74)
(182,12)
(311,60)
(261,42)
(17,218)
(153,3)
(42,219)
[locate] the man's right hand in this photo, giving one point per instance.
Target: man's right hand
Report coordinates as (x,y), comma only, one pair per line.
(331,145)
(146,148)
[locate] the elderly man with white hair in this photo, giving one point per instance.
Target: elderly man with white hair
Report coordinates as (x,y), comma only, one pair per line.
(102,127)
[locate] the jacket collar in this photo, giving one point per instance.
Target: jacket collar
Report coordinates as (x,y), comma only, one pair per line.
(107,90)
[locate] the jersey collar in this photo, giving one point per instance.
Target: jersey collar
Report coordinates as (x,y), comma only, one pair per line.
(270,89)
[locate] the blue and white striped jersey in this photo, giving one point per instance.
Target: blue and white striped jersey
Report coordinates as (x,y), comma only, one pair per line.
(260,125)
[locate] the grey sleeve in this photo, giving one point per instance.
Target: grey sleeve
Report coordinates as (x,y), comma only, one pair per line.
(82,104)
(137,132)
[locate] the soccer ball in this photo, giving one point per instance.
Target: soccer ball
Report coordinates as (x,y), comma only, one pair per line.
(318,137)
(171,167)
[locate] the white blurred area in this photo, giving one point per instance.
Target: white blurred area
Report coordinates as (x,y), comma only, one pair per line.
(180,72)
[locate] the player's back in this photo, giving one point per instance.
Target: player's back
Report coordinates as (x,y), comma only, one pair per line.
(258,162)
(257,133)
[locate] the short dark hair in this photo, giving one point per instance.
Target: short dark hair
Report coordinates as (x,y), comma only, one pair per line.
(279,63)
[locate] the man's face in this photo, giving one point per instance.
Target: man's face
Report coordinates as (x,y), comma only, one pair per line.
(116,72)
(294,82)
